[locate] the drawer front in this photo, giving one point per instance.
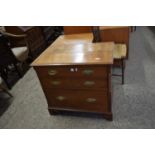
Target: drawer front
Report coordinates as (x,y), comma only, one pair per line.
(74,71)
(79,100)
(57,83)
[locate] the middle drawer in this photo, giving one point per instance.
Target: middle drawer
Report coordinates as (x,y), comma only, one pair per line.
(78,83)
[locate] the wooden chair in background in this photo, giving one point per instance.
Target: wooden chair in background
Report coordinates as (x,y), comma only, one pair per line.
(10,54)
(18,45)
(117,34)
(133,28)
(34,37)
(120,52)
(96,34)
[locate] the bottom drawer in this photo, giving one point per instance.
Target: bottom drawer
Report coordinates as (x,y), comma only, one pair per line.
(94,101)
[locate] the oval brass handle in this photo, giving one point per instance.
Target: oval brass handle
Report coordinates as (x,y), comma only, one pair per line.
(55,83)
(88,72)
(60,98)
(52,72)
(91,100)
(89,83)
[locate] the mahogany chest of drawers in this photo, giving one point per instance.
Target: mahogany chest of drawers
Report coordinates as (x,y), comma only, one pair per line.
(77,77)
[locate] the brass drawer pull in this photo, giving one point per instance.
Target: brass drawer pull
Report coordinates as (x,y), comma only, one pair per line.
(89,83)
(60,98)
(88,72)
(55,83)
(91,100)
(52,72)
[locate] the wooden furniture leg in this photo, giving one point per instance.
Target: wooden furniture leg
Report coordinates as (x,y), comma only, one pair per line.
(52,111)
(122,71)
(5,80)
(16,68)
(122,63)
(6,91)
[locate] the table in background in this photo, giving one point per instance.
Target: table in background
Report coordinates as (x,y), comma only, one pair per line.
(77,29)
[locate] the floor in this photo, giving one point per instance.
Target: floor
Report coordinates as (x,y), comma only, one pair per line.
(133,103)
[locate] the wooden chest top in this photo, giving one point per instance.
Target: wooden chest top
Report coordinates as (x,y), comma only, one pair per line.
(74,50)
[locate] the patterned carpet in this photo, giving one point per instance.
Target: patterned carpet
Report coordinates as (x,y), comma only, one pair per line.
(133,103)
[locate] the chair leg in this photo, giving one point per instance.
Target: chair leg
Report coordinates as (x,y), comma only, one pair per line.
(122,71)
(6,82)
(133,28)
(6,91)
(19,74)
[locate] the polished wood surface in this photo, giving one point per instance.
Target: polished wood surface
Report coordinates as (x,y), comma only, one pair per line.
(77,29)
(64,52)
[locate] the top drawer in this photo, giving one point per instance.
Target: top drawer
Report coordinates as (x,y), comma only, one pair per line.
(72,71)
